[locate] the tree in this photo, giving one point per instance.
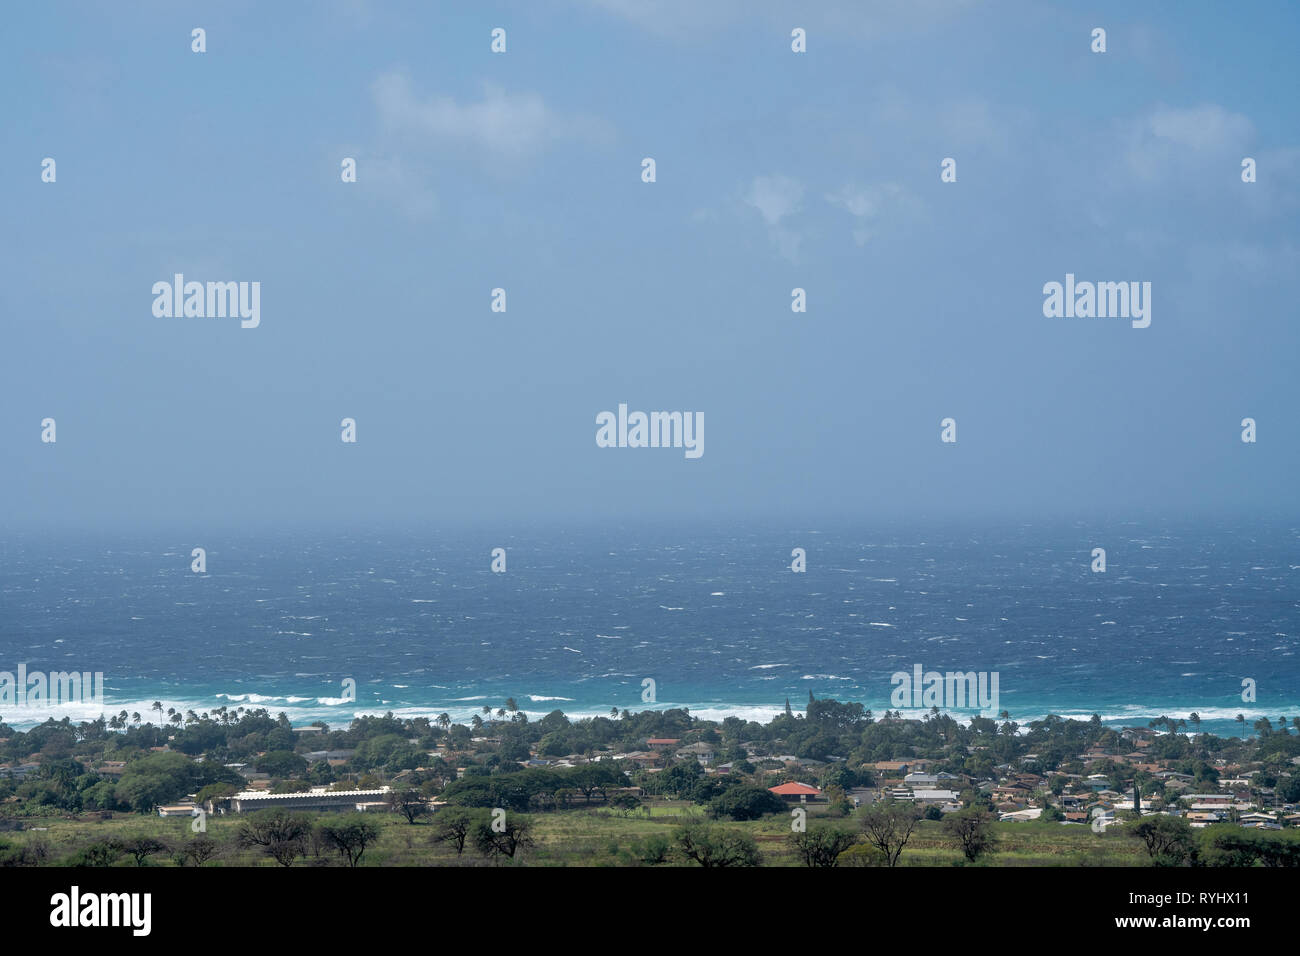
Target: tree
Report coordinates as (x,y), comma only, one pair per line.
(281,763)
(154,779)
(409,802)
(1169,840)
(101,853)
(453,825)
(200,849)
(1288,789)
(713,846)
(498,836)
(888,825)
(142,847)
(821,845)
(350,835)
(281,834)
(216,792)
(626,802)
(972,829)
(653,850)
(745,803)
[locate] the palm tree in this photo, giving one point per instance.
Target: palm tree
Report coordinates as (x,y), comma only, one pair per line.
(444,721)
(501,712)
(511,706)
(1195,718)
(613,713)
(487,709)
(135,717)
(157,705)
(476,722)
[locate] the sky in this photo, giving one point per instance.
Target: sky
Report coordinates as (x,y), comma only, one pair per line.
(522,170)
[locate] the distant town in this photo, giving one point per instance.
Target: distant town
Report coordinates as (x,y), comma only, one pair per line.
(834,785)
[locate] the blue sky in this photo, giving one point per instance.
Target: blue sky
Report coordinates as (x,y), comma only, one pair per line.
(522,171)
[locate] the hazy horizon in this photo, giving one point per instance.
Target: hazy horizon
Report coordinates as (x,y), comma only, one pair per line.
(522,171)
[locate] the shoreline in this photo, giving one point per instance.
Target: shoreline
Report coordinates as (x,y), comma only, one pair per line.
(339,714)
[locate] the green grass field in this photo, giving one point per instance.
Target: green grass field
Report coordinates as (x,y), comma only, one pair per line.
(583,837)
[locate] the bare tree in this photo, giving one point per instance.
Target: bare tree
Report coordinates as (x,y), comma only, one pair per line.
(280,834)
(888,825)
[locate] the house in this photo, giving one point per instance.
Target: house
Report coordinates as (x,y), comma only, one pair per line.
(796,792)
(929,780)
(1256,819)
(934,796)
(892,768)
(335,758)
(315,799)
(1010,792)
(702,752)
(1021,816)
(642,758)
(178,810)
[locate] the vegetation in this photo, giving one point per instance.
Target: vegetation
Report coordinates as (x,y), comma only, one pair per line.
(475,795)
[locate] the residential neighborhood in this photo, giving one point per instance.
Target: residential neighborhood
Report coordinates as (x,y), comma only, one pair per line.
(836,763)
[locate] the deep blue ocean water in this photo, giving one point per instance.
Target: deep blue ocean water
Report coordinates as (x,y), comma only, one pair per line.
(714,616)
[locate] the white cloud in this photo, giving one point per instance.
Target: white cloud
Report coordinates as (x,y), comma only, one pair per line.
(1166,139)
(501,124)
(778,198)
(775,197)
(1202,127)
(868,204)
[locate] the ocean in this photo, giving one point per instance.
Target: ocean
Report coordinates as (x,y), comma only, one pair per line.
(713,616)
